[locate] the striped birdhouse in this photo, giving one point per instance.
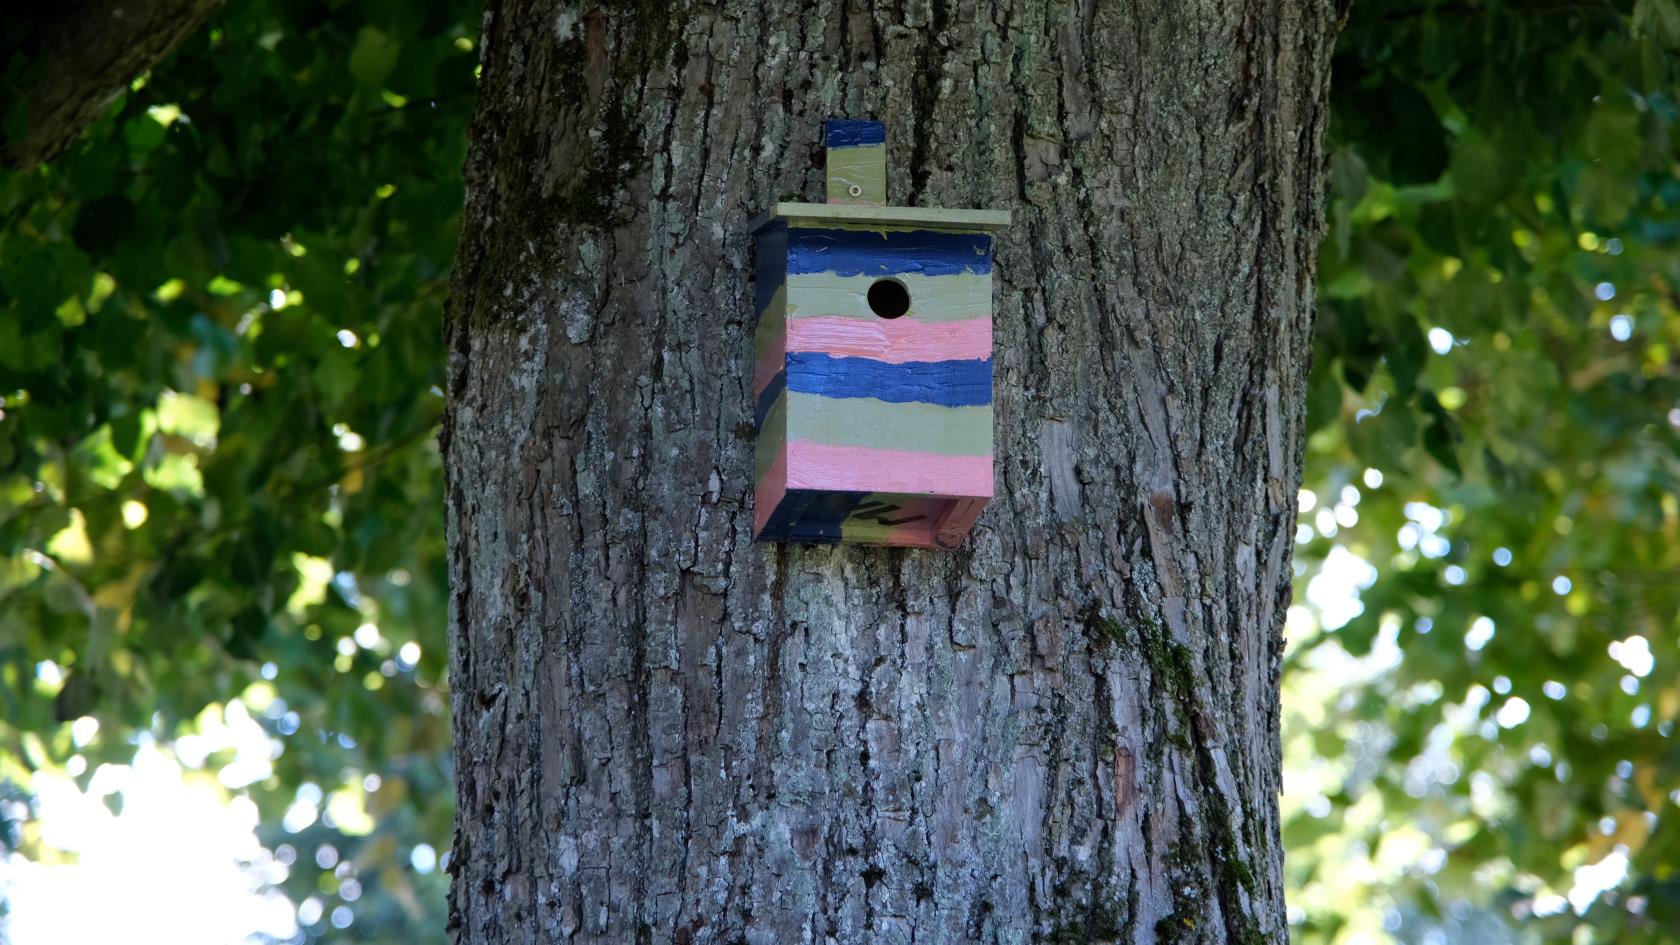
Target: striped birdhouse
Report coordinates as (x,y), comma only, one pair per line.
(873,379)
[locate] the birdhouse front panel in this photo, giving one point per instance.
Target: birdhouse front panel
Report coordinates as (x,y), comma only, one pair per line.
(873,382)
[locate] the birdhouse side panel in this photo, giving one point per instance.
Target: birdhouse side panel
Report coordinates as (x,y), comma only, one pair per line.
(769,376)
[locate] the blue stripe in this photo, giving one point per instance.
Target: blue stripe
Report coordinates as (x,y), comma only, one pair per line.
(779,526)
(767,398)
(948,383)
(810,515)
(769,258)
(878,253)
(824,516)
(851,132)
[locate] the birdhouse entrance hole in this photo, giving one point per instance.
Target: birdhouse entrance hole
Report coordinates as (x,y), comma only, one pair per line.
(889,298)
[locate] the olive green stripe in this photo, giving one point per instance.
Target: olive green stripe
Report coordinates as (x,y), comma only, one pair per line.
(772,324)
(864,531)
(865,421)
(777,302)
(865,166)
(772,438)
(932,298)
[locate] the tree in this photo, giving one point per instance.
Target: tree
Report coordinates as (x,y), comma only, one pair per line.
(219,348)
(1066,731)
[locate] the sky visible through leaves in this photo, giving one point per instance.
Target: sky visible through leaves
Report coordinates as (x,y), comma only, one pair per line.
(222,657)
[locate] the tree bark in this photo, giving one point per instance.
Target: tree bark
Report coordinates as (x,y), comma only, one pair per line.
(1067,731)
(63,62)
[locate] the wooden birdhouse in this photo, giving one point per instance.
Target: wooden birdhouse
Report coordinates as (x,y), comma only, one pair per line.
(873,379)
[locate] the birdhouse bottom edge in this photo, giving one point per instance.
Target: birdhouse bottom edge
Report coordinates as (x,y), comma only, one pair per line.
(823,493)
(822,516)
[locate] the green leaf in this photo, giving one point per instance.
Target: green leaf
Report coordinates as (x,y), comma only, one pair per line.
(374,56)
(1607,195)
(1480,168)
(103,224)
(1658,20)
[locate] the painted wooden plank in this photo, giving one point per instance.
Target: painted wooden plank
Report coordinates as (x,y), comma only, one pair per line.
(769,345)
(785,516)
(887,518)
(878,253)
(932,298)
(832,467)
(875,518)
(865,421)
(823,518)
(769,268)
(853,132)
(960,516)
(772,437)
(857,161)
(895,340)
(865,532)
(947,383)
(773,301)
(858,176)
(828,214)
(766,398)
(766,366)
(770,301)
(769,489)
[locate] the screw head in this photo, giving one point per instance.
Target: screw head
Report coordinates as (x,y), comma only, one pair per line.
(855,190)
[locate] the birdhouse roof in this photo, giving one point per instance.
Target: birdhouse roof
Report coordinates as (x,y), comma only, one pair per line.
(855,215)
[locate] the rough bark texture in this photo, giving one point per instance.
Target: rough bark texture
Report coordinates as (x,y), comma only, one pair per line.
(1065,732)
(63,62)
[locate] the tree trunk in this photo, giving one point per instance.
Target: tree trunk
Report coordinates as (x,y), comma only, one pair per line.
(1066,731)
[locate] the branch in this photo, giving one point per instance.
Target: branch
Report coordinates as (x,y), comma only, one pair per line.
(69,60)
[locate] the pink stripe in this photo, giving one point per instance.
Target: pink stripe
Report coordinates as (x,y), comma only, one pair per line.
(950,531)
(821,466)
(893,340)
(768,493)
(908,536)
(920,534)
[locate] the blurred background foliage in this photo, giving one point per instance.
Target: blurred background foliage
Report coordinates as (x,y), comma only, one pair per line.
(220,366)
(220,370)
(1483,749)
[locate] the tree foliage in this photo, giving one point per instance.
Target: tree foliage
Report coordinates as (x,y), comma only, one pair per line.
(220,369)
(219,376)
(1496,417)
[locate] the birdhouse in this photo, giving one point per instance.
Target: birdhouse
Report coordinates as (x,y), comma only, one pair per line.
(873,376)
